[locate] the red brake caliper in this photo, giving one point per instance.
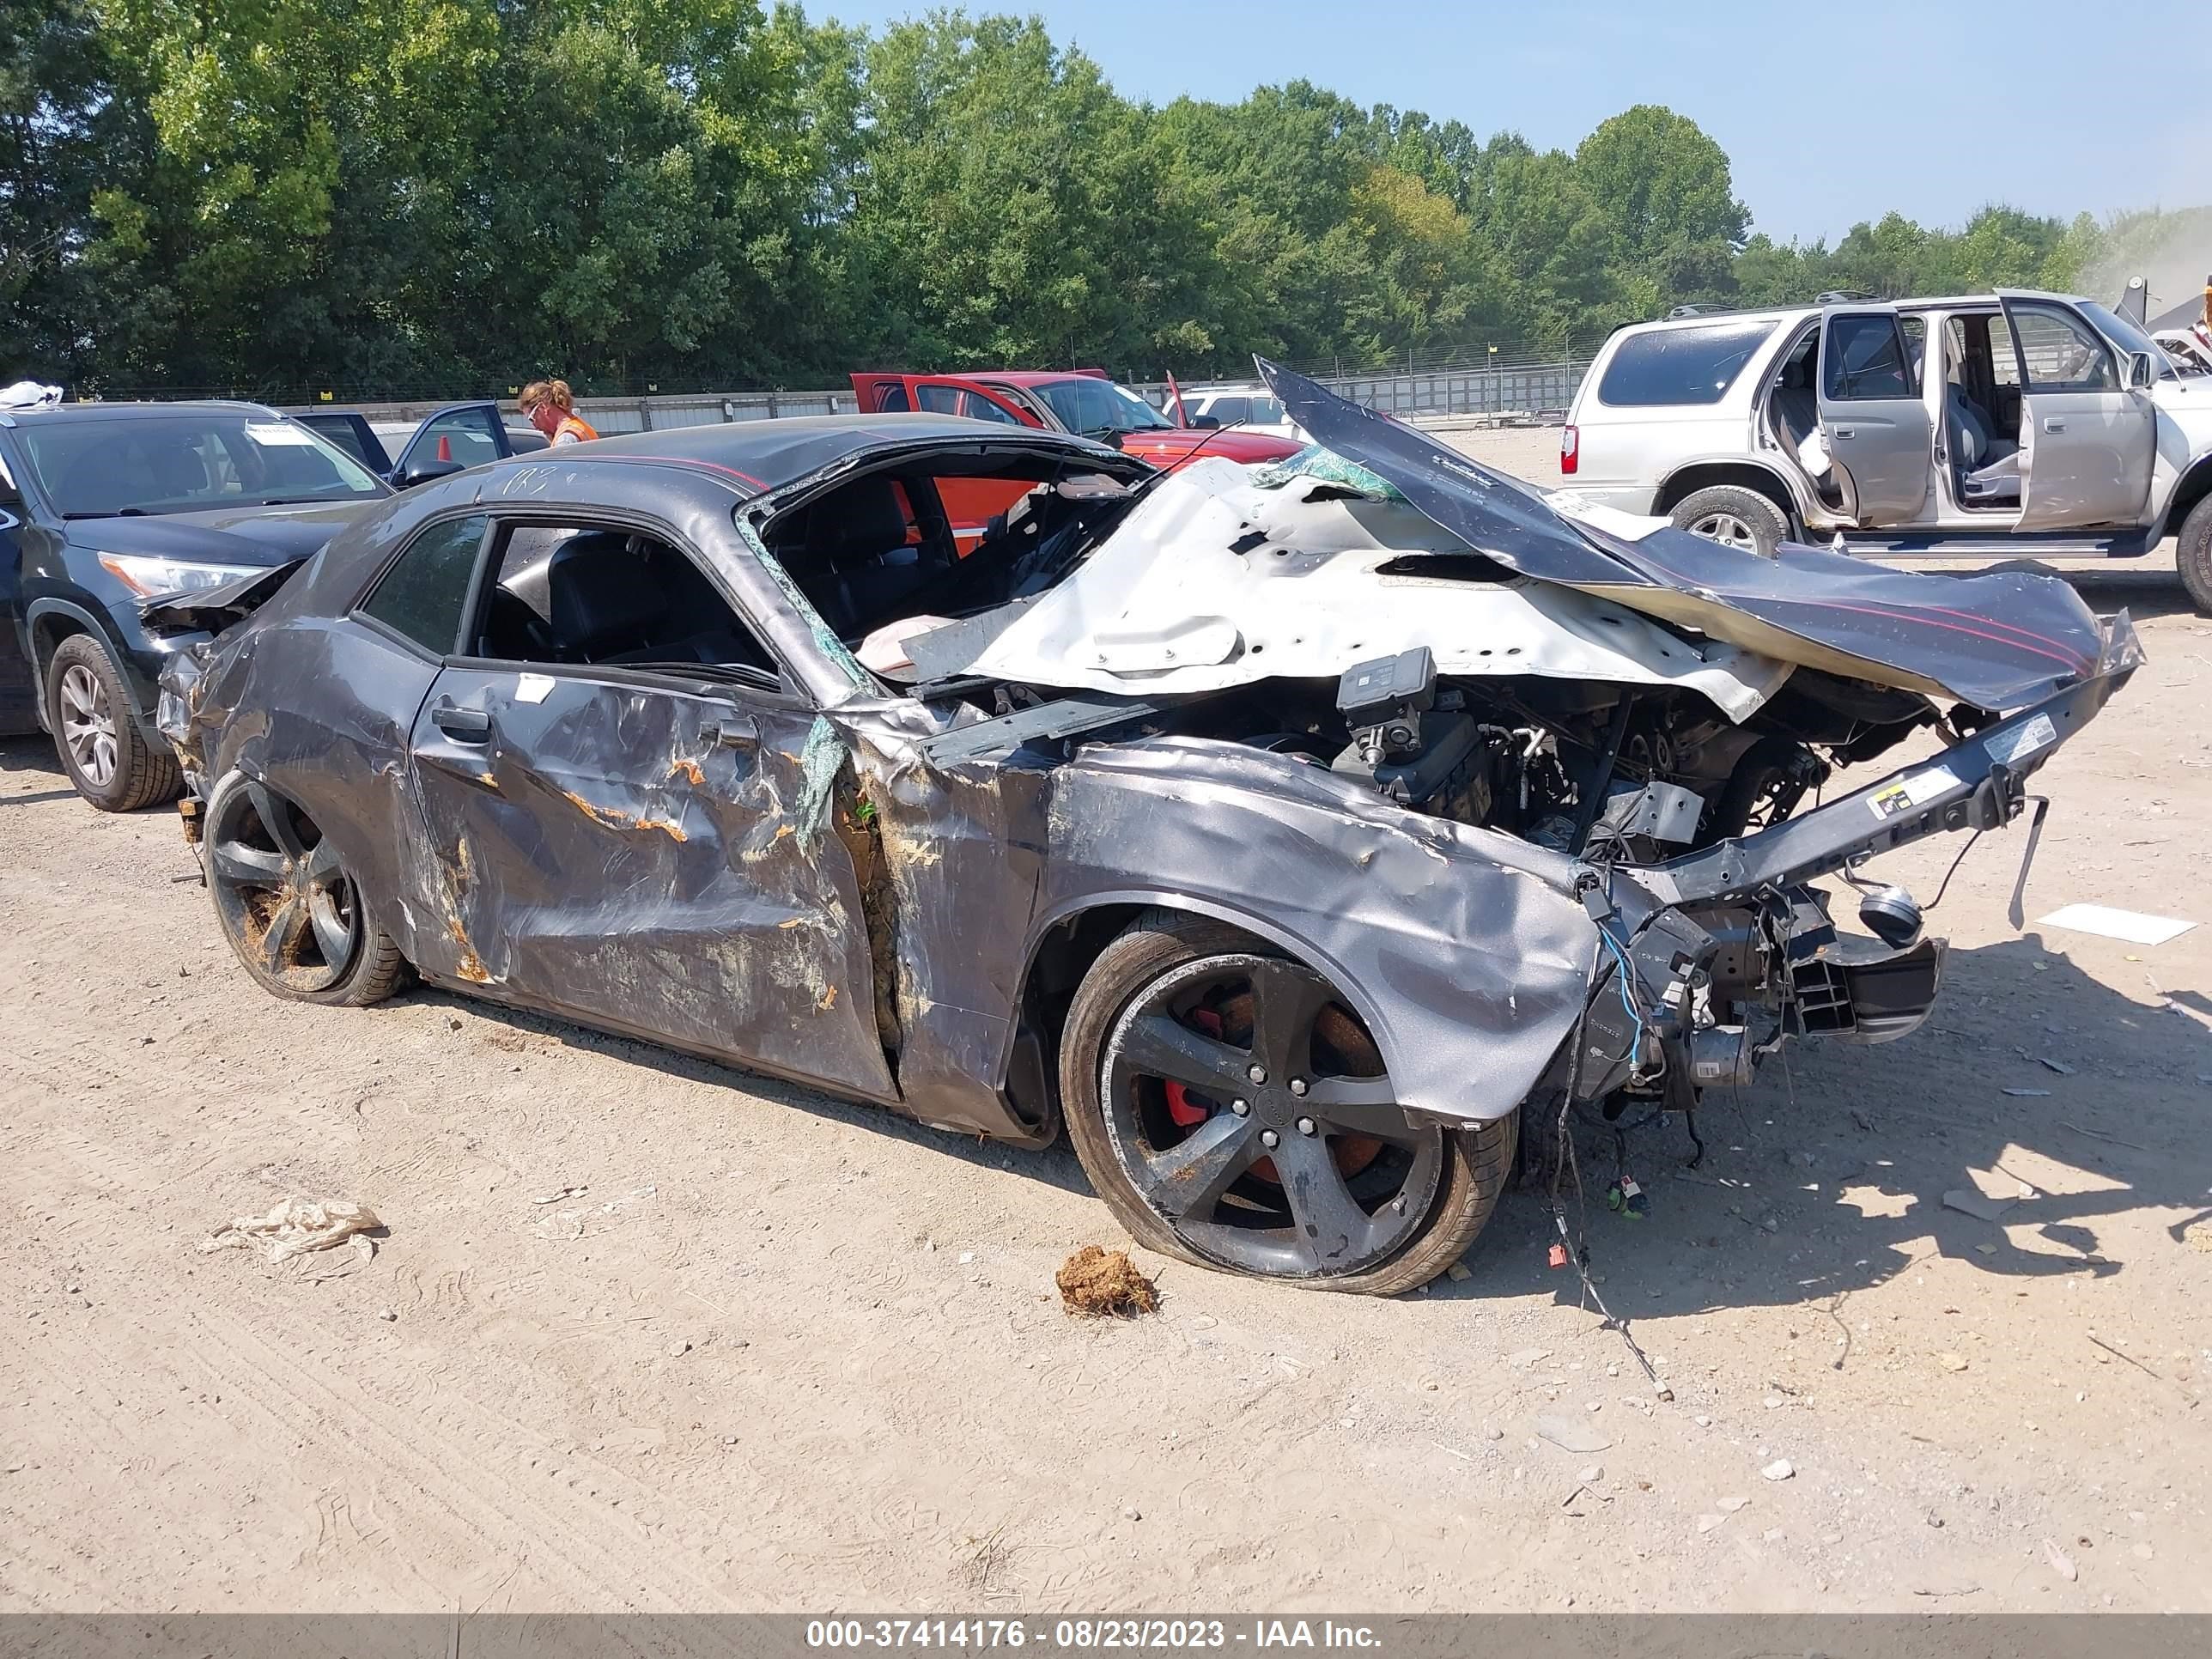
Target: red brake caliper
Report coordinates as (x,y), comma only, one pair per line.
(1182,1108)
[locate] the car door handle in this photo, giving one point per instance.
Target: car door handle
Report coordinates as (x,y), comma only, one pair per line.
(2052,424)
(1847,432)
(462,725)
(733,732)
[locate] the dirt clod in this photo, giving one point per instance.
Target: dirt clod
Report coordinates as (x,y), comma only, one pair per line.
(1099,1284)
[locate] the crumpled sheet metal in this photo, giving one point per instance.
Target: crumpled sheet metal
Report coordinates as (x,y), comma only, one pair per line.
(1998,641)
(655,875)
(1216,580)
(1452,942)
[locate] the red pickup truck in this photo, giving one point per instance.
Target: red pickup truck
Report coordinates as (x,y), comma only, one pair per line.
(1082,400)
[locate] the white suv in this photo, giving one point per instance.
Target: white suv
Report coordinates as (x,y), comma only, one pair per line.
(2049,425)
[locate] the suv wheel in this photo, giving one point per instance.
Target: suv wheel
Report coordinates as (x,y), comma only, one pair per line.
(111,765)
(2192,555)
(1733,516)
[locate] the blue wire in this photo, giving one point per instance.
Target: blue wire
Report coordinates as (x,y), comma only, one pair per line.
(1605,934)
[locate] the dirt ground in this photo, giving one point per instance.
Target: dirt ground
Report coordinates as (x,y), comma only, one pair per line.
(766,1351)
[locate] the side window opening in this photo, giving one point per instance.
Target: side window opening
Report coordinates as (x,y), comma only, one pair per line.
(928,547)
(894,402)
(467,434)
(587,595)
(424,592)
(2062,353)
(1865,359)
(979,408)
(1914,330)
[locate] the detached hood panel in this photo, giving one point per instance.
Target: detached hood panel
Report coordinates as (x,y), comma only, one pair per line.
(1999,641)
(1216,580)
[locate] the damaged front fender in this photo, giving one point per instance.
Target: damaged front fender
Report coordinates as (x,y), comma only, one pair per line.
(1449,940)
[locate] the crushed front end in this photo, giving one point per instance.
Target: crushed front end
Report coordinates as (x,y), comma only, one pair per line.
(1706,962)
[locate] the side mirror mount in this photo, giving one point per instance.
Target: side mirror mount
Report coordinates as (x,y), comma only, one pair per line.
(2141,371)
(1204,423)
(421,472)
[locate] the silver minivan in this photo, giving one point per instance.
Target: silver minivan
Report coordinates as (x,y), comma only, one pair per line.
(2047,425)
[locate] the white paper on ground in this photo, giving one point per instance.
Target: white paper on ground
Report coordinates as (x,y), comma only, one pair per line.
(2132,926)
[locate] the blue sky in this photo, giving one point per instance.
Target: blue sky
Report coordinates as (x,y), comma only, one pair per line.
(1830,113)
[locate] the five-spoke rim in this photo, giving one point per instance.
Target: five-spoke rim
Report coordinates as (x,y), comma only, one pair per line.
(280,891)
(87,722)
(1251,1109)
(1727,528)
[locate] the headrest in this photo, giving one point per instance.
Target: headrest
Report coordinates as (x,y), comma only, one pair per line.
(599,589)
(862,520)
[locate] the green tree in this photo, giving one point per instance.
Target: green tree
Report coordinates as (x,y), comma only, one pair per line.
(1664,188)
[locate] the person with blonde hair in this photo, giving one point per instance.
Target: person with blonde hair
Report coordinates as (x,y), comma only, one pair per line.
(551,408)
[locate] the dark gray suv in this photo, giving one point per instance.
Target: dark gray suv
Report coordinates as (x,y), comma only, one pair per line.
(107,507)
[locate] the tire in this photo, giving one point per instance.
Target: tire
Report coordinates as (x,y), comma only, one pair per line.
(1118,1114)
(96,735)
(2192,555)
(297,920)
(1754,523)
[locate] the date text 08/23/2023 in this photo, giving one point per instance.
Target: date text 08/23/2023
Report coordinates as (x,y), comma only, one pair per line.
(1095,1634)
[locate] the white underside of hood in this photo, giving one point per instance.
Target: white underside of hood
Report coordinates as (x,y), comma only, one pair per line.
(1169,603)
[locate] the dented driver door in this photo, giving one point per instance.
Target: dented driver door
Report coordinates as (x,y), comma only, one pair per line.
(643,851)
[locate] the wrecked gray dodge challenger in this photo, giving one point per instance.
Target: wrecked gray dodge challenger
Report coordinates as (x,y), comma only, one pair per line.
(1286,832)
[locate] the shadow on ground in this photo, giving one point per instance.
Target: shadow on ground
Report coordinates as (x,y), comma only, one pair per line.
(1829,1177)
(1888,1130)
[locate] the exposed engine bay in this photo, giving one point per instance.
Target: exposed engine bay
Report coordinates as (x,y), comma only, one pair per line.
(1623,697)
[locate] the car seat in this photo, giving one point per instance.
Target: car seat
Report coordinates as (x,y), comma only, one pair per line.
(849,555)
(601,600)
(1987,466)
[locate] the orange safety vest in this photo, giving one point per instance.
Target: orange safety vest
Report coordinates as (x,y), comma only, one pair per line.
(571,427)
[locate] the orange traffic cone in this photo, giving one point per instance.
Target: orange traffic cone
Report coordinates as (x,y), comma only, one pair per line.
(444,447)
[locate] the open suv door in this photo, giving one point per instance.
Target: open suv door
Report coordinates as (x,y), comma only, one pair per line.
(1872,416)
(2087,438)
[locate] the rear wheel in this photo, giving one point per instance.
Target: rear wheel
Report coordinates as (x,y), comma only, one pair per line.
(1234,1112)
(1733,516)
(293,912)
(2192,555)
(111,765)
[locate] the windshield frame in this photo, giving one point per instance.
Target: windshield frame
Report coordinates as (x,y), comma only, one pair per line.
(228,428)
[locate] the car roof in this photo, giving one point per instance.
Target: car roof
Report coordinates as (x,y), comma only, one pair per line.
(1032,376)
(769,454)
(96,410)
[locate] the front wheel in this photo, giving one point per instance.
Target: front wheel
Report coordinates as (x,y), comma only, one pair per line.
(1734,517)
(291,909)
(111,765)
(1233,1112)
(2192,555)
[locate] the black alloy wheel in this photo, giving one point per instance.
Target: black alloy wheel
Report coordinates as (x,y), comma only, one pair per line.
(291,910)
(1250,1110)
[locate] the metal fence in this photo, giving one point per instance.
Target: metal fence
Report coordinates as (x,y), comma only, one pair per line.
(1530,391)
(610,415)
